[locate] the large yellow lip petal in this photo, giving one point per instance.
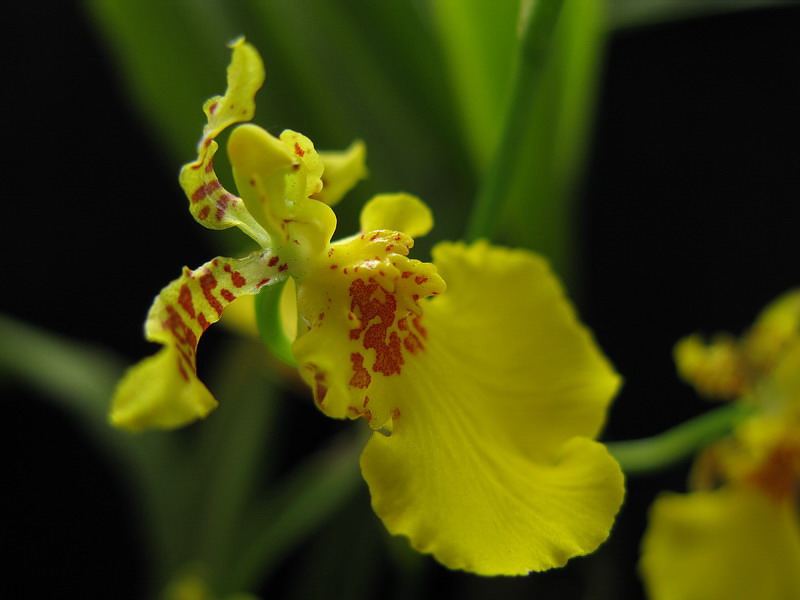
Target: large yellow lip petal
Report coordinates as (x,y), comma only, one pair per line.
(489,466)
(730,543)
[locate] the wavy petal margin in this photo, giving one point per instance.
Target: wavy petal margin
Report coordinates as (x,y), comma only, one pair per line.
(490,466)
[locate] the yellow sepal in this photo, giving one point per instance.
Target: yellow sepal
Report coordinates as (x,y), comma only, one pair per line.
(163,390)
(398,212)
(343,170)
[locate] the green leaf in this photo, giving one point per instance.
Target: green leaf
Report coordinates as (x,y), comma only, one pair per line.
(479,40)
(624,14)
(173,57)
(227,455)
(528,193)
(295,508)
(80,380)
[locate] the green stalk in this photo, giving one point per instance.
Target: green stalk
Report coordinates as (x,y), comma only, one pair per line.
(679,443)
(536,39)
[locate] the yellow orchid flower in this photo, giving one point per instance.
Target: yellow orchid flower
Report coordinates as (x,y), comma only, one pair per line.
(737,535)
(484,395)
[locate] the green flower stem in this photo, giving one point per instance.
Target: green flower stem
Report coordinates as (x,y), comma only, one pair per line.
(270,323)
(535,43)
(676,444)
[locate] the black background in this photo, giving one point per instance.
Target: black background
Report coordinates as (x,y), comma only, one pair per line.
(687,219)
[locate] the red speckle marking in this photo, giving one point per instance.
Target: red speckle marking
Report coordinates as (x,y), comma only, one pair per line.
(236,278)
(252,182)
(407,274)
(298,150)
(209,166)
(203,214)
(182,370)
(321,316)
(205,189)
(208,283)
(420,279)
(412,343)
(320,389)
(185,300)
(374,237)
(227,294)
(389,248)
(334,267)
(344,271)
(185,340)
(361,377)
(264,282)
(395,413)
(283,267)
(212,108)
(273,261)
(201,319)
(402,324)
(367,304)
(331,251)
(222,205)
(366,401)
(417,320)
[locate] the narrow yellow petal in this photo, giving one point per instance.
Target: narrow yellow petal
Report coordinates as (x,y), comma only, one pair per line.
(212,205)
(238,105)
(209,202)
(398,212)
(489,465)
(730,543)
(343,170)
(163,390)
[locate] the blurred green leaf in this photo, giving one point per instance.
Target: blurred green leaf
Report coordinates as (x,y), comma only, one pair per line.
(553,140)
(171,55)
(78,376)
(479,41)
(80,379)
(228,453)
(624,14)
(528,191)
(295,507)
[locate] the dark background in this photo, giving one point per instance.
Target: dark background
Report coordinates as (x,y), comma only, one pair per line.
(686,217)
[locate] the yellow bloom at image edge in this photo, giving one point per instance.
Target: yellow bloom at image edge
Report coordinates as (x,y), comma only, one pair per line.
(490,388)
(737,534)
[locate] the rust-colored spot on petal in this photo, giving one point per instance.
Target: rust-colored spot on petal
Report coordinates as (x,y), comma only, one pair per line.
(185,300)
(361,377)
(376,310)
